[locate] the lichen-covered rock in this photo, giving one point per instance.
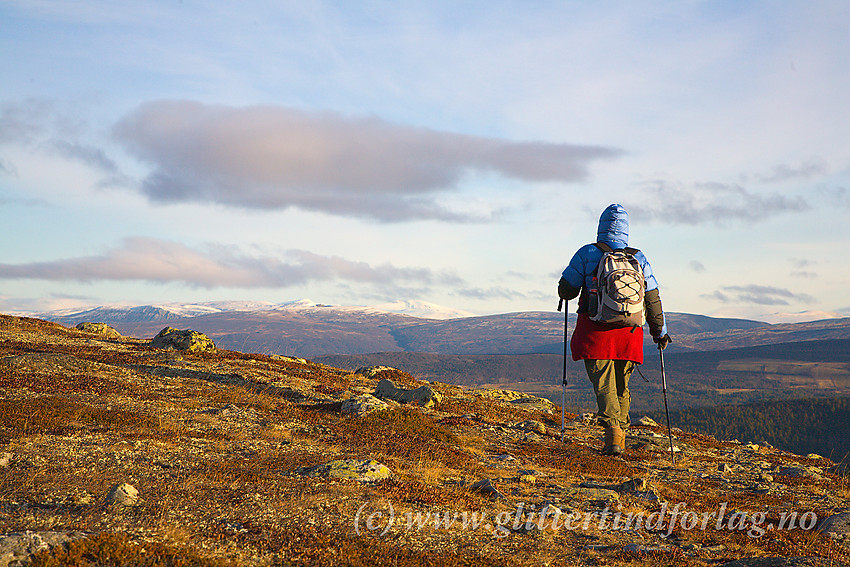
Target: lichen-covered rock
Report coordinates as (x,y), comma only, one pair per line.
(647,421)
(533,426)
(368,470)
(18,548)
(424,396)
(186,340)
(361,405)
(533,403)
(99,329)
(122,495)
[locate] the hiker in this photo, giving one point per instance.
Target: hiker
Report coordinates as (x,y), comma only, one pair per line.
(611,351)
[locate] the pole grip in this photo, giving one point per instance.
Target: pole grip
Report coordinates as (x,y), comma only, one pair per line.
(560,303)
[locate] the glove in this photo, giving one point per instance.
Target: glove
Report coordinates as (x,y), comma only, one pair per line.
(662,342)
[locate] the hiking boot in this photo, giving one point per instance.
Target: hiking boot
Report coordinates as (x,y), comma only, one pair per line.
(615,441)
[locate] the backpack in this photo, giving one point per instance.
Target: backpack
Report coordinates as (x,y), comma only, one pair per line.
(618,289)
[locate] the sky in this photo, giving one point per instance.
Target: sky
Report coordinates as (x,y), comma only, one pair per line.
(358,153)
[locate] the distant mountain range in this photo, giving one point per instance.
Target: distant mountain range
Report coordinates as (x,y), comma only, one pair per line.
(308,329)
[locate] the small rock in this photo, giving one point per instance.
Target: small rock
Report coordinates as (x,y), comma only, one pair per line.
(802,472)
(424,396)
(5,460)
(647,421)
(122,495)
(487,487)
(187,340)
(645,549)
(362,405)
(533,426)
(368,470)
(527,478)
(752,447)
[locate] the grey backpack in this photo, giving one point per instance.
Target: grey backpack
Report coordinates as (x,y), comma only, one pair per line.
(618,289)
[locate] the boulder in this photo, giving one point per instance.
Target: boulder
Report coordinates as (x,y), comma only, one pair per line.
(99,329)
(487,487)
(368,470)
(188,341)
(836,526)
(424,396)
(361,405)
(647,422)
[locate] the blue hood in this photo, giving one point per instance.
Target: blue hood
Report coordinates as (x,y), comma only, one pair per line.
(614,227)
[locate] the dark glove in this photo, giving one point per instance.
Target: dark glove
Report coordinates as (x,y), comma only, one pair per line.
(662,342)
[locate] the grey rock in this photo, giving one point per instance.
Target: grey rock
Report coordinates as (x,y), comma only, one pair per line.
(647,421)
(802,472)
(487,487)
(122,495)
(836,526)
(16,549)
(363,470)
(424,396)
(185,340)
(362,405)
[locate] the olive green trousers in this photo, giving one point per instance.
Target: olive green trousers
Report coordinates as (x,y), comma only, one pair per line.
(610,380)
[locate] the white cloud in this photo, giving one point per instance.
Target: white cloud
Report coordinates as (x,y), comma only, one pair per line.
(274,157)
(160,261)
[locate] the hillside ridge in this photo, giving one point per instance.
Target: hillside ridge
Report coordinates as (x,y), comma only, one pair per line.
(112,447)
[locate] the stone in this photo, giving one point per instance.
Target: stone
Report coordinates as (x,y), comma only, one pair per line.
(375,371)
(487,487)
(647,422)
(836,526)
(363,470)
(424,396)
(362,405)
(533,403)
(187,340)
(533,426)
(528,479)
(17,549)
(288,358)
(645,549)
(5,460)
(802,472)
(99,329)
(122,495)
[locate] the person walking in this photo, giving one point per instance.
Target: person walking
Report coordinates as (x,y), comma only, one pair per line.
(610,351)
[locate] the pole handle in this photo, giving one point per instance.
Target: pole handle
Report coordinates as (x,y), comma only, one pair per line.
(560,303)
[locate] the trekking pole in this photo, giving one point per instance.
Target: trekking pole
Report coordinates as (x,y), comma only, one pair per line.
(564,375)
(667,411)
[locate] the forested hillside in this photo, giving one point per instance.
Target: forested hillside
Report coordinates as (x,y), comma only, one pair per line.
(802,426)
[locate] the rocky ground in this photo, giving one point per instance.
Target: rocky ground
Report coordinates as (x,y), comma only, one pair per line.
(117,452)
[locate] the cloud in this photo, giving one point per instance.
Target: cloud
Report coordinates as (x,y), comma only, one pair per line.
(491,293)
(696,266)
(718,203)
(160,261)
(806,170)
(758,294)
(275,157)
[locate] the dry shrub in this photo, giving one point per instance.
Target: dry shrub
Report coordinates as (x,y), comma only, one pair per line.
(116,549)
(57,416)
(402,433)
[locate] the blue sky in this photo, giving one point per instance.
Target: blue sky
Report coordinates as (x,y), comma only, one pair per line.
(362,152)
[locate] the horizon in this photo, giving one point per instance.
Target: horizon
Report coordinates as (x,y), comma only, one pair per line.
(157,152)
(415,308)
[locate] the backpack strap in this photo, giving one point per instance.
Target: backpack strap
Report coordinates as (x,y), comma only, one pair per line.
(602,246)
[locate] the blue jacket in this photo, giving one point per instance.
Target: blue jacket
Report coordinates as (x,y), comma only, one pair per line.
(613,230)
